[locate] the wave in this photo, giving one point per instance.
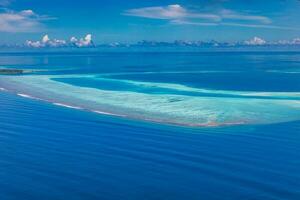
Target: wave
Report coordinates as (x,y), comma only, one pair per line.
(107,113)
(67,106)
(28,96)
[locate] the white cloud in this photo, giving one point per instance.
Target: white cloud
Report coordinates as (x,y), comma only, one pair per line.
(73,40)
(187,22)
(46,41)
(22,21)
(27,13)
(255,41)
(177,14)
(30,43)
(82,42)
(296,41)
(229,14)
(168,12)
(265,26)
(171,12)
(58,43)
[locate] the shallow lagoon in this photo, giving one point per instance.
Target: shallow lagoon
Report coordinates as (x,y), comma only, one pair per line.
(159,102)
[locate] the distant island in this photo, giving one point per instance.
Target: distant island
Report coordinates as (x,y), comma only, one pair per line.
(11,71)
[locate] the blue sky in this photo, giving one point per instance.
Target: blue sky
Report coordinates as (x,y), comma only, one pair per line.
(162,20)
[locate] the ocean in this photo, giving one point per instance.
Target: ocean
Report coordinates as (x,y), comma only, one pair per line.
(150,125)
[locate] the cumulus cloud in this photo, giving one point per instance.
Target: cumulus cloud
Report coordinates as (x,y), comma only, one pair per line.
(177,14)
(82,42)
(27,13)
(46,41)
(73,40)
(22,21)
(255,41)
(295,41)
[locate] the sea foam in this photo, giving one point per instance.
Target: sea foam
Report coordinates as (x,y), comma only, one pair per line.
(28,96)
(67,106)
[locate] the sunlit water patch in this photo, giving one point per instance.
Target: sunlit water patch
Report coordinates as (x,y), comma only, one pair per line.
(159,102)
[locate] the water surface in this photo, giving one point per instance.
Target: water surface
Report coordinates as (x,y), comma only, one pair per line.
(53,146)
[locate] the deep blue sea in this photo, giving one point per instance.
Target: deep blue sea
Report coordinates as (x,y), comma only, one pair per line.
(150,125)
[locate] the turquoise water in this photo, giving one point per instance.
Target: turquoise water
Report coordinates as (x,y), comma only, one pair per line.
(199,125)
(159,102)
